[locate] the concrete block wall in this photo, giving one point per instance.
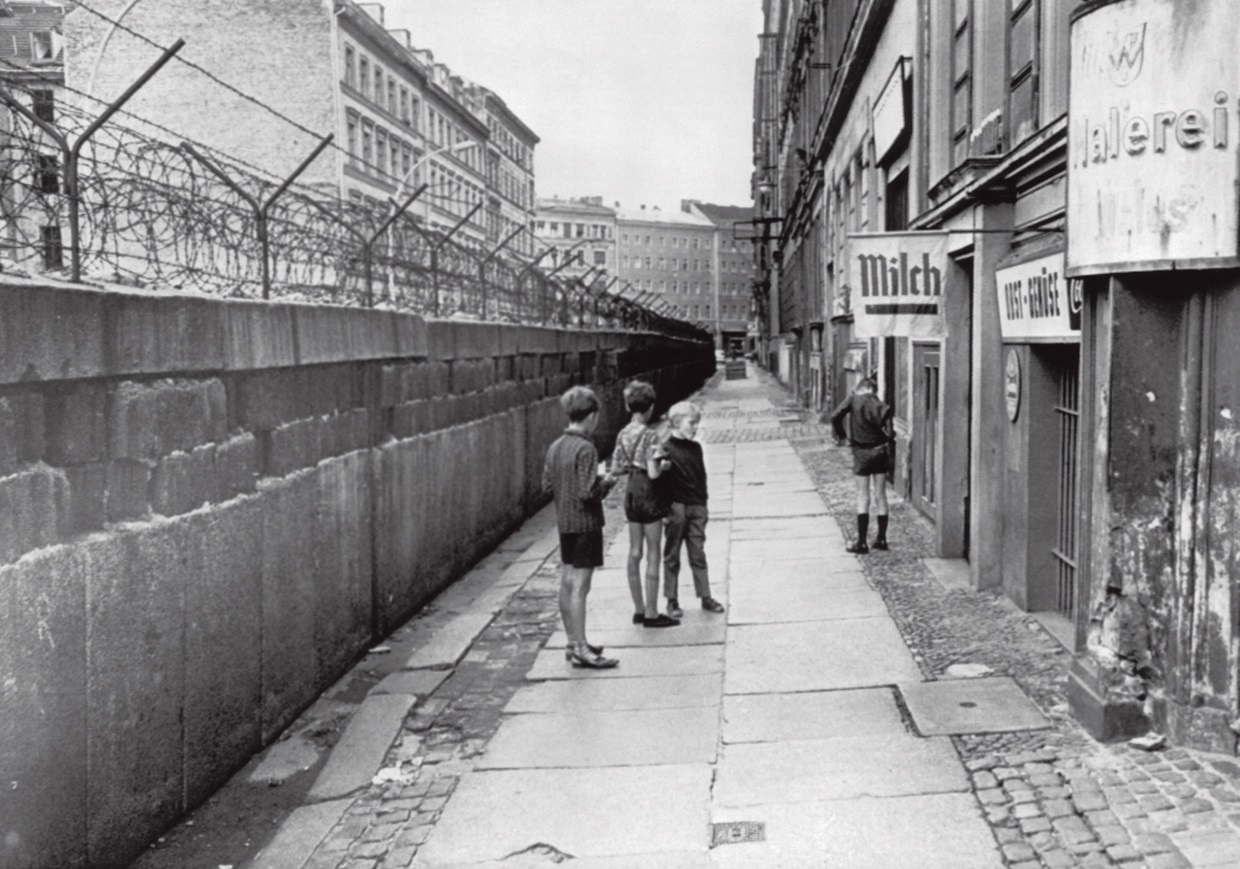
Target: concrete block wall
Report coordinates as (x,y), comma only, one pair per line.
(210,508)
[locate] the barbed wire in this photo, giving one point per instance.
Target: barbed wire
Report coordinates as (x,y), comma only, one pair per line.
(151,215)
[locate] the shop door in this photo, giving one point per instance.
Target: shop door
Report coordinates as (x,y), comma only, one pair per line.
(926,427)
(1068,412)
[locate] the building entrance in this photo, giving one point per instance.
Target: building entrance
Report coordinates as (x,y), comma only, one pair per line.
(1065,365)
(926,367)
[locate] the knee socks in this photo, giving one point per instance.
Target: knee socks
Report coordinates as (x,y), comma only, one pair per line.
(863,526)
(882,527)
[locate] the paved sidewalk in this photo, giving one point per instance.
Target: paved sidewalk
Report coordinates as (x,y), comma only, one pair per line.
(843,712)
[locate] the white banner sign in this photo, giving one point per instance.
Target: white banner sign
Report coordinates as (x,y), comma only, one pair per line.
(897,281)
(1153,136)
(1037,303)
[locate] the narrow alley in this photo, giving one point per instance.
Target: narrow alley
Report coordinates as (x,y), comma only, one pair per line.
(846,711)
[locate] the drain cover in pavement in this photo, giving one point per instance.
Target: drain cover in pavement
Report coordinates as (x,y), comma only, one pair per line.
(734,832)
(955,706)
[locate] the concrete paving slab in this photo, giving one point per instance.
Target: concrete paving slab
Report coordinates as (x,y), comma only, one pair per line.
(535,860)
(951,573)
(956,706)
(812,715)
(417,682)
(759,528)
(799,771)
(601,695)
(359,753)
(691,632)
(666,661)
(299,834)
(939,831)
(804,604)
(642,737)
(770,578)
(817,656)
(284,759)
(450,642)
(789,504)
(588,813)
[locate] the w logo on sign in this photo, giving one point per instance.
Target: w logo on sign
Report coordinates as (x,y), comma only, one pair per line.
(1127,56)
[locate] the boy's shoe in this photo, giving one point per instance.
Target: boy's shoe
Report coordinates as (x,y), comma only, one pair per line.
(858,548)
(639,618)
(881,543)
(661,621)
(673,608)
(711,605)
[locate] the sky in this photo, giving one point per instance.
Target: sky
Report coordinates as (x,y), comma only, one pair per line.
(644,102)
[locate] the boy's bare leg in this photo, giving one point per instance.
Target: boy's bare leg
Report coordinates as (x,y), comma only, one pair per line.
(863,494)
(651,533)
(880,493)
(637,535)
(570,593)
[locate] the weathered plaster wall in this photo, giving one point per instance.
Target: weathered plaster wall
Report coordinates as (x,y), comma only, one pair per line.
(210,508)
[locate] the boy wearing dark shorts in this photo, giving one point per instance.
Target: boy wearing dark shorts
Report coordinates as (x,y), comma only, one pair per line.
(571,475)
(871,438)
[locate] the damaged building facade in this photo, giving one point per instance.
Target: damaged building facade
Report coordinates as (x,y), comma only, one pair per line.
(1021,217)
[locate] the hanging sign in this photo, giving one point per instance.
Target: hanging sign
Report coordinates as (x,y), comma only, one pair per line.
(897,281)
(1153,131)
(1037,303)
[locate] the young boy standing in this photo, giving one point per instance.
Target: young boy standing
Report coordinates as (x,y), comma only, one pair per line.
(685,482)
(571,475)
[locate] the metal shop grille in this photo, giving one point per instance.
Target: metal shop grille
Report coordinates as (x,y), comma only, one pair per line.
(1068,409)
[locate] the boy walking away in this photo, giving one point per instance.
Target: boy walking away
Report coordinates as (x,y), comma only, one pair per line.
(636,456)
(685,481)
(871,439)
(571,475)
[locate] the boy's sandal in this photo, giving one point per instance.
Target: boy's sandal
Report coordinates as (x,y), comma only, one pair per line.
(594,650)
(709,603)
(592,662)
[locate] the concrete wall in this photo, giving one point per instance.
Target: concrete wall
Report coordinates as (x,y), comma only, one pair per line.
(209,509)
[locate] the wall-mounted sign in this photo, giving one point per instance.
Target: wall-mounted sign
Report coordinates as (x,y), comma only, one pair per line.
(1037,303)
(1153,133)
(889,118)
(897,280)
(1011,384)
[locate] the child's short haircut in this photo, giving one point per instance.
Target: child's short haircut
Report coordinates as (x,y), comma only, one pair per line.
(579,402)
(682,409)
(639,396)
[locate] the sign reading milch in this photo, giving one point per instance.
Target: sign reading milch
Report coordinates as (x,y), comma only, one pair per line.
(1153,130)
(897,281)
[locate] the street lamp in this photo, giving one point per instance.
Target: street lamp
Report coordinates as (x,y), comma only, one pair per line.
(417,164)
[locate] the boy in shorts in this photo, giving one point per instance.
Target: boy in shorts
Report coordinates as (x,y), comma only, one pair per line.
(571,475)
(871,438)
(685,478)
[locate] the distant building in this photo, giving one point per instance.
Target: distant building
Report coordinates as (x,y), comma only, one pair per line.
(400,119)
(670,255)
(731,271)
(582,233)
(32,71)
(510,176)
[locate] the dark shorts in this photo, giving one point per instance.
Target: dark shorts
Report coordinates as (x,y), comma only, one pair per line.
(584,549)
(872,460)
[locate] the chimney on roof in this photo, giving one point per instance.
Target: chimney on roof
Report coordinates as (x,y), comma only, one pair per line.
(686,205)
(643,207)
(404,37)
(374,10)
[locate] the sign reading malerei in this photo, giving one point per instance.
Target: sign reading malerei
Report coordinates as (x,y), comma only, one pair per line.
(897,281)
(1037,303)
(1152,136)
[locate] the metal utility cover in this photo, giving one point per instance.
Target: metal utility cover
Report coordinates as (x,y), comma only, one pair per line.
(735,832)
(955,706)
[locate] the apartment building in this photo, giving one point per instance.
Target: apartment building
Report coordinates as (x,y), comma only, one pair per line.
(668,256)
(581,236)
(1041,277)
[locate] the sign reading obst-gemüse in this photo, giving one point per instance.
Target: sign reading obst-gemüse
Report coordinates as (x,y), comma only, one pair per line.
(1152,137)
(1037,304)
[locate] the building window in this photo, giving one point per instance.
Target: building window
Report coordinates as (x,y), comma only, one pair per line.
(53,248)
(350,67)
(363,76)
(351,137)
(415,109)
(1022,70)
(600,257)
(367,145)
(647,262)
(41,45)
(47,171)
(378,84)
(962,80)
(381,151)
(44,105)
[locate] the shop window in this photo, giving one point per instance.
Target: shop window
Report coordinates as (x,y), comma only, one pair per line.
(962,80)
(1022,70)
